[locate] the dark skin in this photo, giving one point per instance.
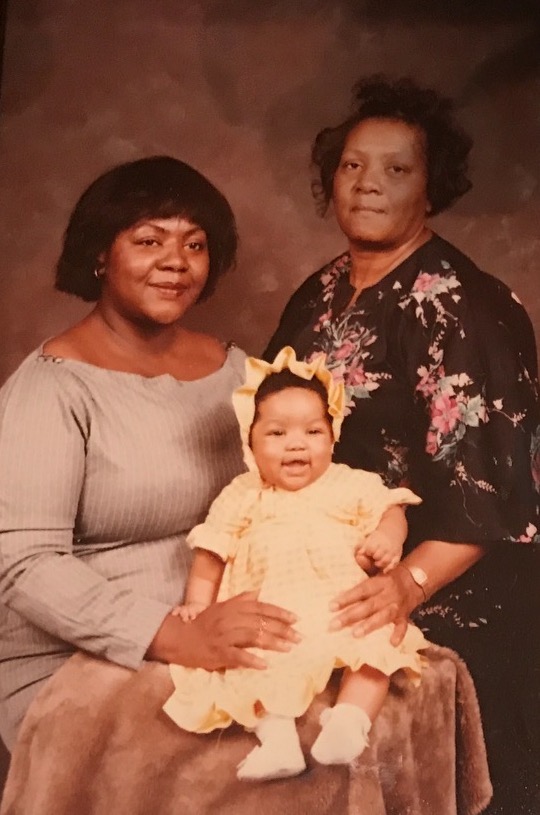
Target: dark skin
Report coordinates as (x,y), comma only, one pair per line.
(219,636)
(381,204)
(150,277)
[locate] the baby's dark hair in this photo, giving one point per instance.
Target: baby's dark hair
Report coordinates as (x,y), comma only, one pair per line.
(274,383)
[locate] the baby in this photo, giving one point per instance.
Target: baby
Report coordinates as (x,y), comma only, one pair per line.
(289,530)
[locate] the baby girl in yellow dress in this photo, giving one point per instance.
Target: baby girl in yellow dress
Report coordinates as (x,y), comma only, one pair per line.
(289,529)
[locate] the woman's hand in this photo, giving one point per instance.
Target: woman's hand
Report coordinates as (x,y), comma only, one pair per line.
(390,598)
(385,598)
(219,636)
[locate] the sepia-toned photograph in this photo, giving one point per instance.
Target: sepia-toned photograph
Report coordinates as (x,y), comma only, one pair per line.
(269,407)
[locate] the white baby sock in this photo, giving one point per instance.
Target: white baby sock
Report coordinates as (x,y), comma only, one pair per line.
(344,734)
(279,755)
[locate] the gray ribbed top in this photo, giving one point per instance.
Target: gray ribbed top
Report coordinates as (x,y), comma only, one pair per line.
(102,474)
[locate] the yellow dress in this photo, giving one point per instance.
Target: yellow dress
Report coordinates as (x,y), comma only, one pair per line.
(297,550)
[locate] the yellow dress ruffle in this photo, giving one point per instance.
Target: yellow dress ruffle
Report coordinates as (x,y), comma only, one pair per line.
(297,550)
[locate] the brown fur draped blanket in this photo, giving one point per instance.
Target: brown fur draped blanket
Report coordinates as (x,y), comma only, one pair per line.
(96,742)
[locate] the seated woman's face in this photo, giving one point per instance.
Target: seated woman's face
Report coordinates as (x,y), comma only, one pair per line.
(379,194)
(155,270)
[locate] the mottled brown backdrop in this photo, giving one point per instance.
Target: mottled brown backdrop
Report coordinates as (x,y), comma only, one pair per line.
(239,88)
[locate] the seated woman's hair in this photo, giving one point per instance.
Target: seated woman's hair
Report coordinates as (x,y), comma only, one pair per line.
(155,187)
(274,383)
(447,145)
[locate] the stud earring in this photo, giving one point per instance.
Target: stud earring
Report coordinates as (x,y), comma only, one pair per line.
(99,272)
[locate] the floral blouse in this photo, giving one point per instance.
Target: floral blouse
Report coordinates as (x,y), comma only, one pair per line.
(439,363)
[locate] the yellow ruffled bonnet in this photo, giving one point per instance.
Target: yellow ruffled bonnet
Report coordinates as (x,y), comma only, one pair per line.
(257,370)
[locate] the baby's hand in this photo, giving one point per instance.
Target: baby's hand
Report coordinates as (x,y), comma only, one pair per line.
(188,611)
(366,563)
(383,551)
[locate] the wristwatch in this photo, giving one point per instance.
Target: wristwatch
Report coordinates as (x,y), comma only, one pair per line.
(419,576)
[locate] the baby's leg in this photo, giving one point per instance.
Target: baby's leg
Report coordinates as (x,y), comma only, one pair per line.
(279,754)
(345,726)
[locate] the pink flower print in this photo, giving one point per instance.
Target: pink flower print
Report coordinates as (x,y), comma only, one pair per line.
(530,532)
(445,413)
(339,372)
(431,443)
(424,282)
(356,376)
(314,356)
(342,263)
(324,318)
(345,350)
(428,384)
(326,278)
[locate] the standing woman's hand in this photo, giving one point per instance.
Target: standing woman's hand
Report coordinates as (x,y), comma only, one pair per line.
(377,601)
(219,636)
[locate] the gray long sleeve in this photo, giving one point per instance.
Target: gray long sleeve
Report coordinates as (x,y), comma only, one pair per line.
(102,475)
(44,432)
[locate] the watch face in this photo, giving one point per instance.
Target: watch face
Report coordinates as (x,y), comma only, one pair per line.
(418,575)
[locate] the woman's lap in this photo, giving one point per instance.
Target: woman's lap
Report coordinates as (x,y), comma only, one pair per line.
(96,737)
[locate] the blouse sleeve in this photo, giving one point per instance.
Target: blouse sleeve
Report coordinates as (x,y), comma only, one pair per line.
(469,356)
(228,516)
(44,428)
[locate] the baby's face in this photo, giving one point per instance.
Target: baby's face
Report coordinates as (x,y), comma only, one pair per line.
(292,439)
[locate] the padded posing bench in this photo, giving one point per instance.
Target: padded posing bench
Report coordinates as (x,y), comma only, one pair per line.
(95,742)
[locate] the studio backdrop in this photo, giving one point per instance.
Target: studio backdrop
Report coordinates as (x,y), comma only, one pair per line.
(239,88)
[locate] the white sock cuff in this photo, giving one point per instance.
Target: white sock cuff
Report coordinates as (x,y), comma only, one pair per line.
(273,726)
(347,714)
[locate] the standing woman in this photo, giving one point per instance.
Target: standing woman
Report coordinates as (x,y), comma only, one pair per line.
(439,363)
(115,437)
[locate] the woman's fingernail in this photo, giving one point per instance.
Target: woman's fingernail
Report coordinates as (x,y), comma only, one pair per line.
(285,646)
(358,631)
(334,606)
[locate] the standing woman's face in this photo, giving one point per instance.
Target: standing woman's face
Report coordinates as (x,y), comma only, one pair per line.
(379,194)
(155,270)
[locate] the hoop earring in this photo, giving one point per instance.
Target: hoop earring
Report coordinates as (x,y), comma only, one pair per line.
(99,272)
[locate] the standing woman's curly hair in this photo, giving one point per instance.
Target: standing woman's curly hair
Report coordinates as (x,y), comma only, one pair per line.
(447,145)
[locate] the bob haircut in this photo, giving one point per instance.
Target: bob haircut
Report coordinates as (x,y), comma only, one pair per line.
(155,187)
(447,145)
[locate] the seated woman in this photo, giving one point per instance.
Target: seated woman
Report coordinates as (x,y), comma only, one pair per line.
(115,436)
(439,364)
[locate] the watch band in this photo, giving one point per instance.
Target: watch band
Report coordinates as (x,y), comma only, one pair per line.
(419,576)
